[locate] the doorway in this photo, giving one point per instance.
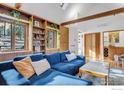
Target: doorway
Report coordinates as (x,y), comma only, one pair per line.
(92,46)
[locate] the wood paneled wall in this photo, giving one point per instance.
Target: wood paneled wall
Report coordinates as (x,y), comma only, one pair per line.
(51,50)
(88,44)
(64,38)
(112,50)
(97,39)
(10,55)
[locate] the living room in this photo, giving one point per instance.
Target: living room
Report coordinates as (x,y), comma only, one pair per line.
(61,44)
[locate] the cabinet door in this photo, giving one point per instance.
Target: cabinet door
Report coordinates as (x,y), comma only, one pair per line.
(64,38)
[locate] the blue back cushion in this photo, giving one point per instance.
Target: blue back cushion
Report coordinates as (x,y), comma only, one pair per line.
(62,55)
(6,65)
(36,57)
(18,58)
(53,58)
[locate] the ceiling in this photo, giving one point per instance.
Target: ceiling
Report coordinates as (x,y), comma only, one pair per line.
(53,11)
(108,23)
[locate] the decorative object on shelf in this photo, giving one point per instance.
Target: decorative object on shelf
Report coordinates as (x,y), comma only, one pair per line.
(18,5)
(15,14)
(36,23)
(53,25)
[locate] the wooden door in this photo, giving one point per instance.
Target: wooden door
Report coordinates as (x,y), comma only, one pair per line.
(92,45)
(64,38)
(88,45)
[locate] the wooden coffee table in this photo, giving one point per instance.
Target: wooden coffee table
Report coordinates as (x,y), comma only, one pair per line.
(98,69)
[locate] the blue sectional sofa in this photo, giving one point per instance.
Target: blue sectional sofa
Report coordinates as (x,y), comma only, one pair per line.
(54,76)
(58,61)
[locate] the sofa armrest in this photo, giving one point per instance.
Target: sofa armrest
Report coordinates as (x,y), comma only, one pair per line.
(6,65)
(81,57)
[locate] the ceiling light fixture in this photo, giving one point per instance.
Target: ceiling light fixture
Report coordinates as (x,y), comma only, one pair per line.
(63,5)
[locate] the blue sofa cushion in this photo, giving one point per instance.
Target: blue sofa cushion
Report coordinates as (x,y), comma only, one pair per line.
(12,77)
(77,62)
(65,68)
(53,58)
(80,57)
(53,77)
(18,58)
(6,65)
(63,55)
(36,57)
(71,68)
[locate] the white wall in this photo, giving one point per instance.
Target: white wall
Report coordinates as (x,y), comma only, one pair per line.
(121,42)
(73,39)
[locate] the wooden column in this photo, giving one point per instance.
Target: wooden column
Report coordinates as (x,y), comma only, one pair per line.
(64,38)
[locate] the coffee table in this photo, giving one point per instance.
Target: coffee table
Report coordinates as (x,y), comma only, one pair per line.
(98,69)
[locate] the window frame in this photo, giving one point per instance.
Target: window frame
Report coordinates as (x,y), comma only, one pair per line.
(54,38)
(13,34)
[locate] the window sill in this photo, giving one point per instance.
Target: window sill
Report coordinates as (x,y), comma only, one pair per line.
(18,51)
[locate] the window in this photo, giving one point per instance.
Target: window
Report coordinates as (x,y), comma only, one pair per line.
(51,39)
(12,35)
(19,37)
(5,36)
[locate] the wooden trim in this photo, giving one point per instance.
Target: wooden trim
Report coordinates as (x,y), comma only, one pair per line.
(97,45)
(113,30)
(13,18)
(99,15)
(64,38)
(85,44)
(12,8)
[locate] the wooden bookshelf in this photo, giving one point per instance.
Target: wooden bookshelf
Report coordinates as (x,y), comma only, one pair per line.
(38,35)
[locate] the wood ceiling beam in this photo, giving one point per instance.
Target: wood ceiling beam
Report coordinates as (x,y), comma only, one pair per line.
(99,15)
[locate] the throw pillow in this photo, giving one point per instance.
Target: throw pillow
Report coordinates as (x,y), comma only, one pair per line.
(24,67)
(71,56)
(41,66)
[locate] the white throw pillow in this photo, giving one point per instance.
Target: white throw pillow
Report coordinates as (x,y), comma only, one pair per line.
(71,56)
(40,66)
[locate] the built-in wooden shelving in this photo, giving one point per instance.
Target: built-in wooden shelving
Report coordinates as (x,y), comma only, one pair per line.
(38,35)
(40,26)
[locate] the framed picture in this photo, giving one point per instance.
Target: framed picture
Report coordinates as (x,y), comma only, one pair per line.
(114,37)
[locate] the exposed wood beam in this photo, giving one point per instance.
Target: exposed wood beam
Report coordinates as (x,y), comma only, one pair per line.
(99,15)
